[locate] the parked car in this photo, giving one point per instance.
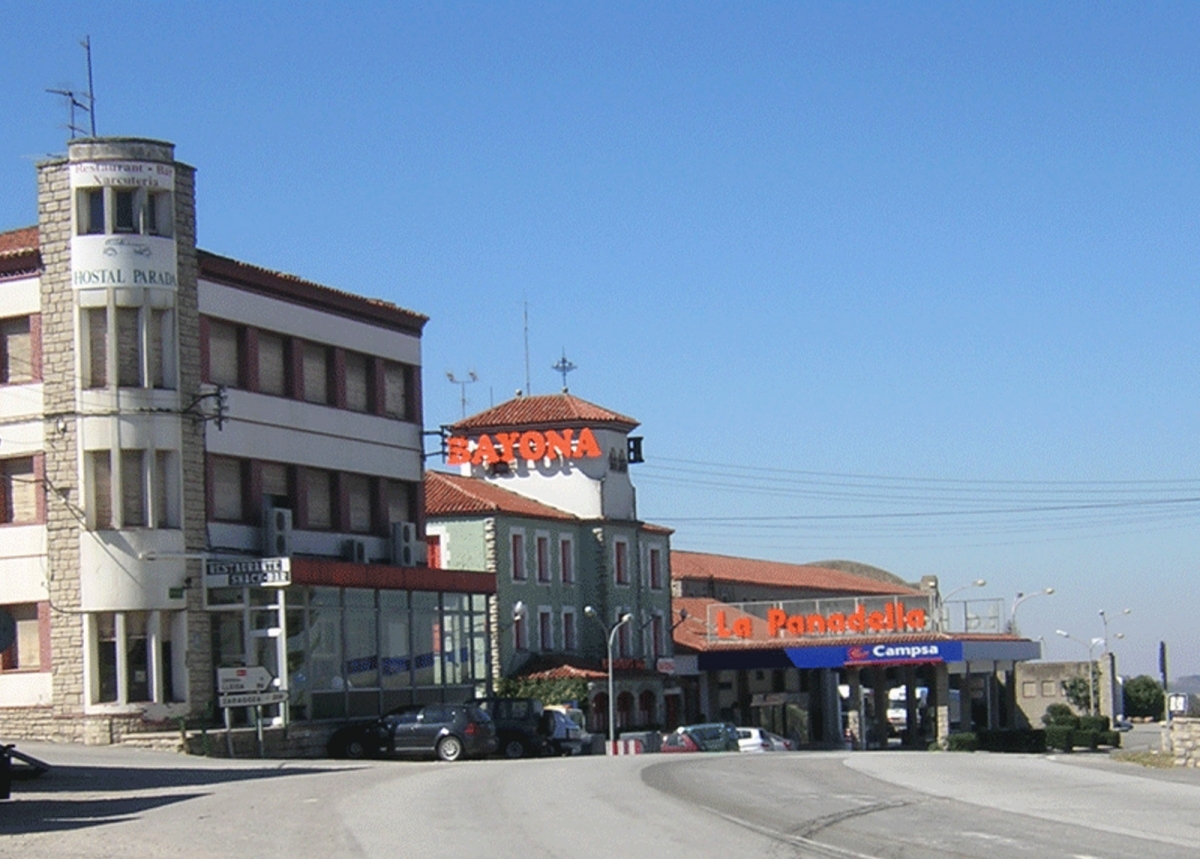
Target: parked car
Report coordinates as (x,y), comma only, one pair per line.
(519,725)
(678,741)
(563,733)
(446,731)
(713,736)
(759,740)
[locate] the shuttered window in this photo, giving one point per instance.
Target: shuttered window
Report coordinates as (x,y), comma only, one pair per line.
(16,362)
(133,488)
(358,498)
(25,653)
(166,489)
(20,490)
(272,377)
(275,479)
(395,396)
(101,495)
(224,355)
(357,397)
(129,348)
(227,489)
(318,488)
(316,373)
(160,342)
(96,331)
(397,501)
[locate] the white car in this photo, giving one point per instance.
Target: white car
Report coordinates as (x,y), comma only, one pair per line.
(759,740)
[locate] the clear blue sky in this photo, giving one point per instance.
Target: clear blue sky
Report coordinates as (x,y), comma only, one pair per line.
(949,248)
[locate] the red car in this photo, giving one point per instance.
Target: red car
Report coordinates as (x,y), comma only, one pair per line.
(679,741)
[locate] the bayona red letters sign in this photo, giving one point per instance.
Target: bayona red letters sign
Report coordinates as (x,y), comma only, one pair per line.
(531,446)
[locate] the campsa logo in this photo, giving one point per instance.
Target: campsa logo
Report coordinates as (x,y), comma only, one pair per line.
(858,654)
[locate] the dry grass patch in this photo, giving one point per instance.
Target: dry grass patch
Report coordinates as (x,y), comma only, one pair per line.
(1145,759)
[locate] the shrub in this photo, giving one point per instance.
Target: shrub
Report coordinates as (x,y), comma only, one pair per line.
(1094,723)
(1110,738)
(1082,737)
(1060,714)
(1060,737)
(964,741)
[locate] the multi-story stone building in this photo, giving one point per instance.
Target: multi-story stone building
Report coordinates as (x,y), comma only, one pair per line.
(205,464)
(545,502)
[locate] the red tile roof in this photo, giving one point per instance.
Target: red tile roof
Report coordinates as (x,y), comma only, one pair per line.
(701,566)
(22,241)
(547,410)
(453,494)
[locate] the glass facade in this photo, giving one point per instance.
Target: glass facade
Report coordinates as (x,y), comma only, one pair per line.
(353,652)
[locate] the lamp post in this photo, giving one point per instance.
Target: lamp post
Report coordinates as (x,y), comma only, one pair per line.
(1091,648)
(1012,615)
(1110,664)
(612,633)
(942,600)
(1104,620)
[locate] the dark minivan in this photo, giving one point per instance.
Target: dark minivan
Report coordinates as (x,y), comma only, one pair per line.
(446,731)
(519,725)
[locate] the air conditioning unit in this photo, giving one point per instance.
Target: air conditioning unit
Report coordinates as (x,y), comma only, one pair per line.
(355,550)
(407,549)
(277,532)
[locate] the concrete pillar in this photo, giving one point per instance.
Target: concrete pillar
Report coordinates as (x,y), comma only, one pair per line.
(854,721)
(941,697)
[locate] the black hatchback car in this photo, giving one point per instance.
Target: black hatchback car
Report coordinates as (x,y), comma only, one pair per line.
(446,731)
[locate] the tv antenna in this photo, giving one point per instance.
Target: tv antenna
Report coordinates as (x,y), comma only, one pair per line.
(528,383)
(462,385)
(81,101)
(564,366)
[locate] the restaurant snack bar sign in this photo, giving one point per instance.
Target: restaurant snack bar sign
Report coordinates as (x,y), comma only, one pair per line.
(816,618)
(530,446)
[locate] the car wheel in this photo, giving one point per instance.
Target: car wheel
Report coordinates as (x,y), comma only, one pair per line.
(515,748)
(449,749)
(355,749)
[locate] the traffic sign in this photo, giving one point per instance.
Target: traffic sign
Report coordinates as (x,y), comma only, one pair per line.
(254,678)
(252,699)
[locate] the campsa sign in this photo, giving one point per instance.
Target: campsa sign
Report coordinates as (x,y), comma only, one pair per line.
(530,446)
(764,621)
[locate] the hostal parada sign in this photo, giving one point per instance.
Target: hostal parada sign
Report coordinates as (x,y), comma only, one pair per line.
(530,446)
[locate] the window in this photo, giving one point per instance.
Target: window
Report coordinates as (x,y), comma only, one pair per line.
(95,333)
(566,560)
(272,364)
(543,559)
(20,487)
(569,640)
(105,685)
(133,489)
(158,215)
(124,218)
(624,649)
(224,353)
(89,212)
(518,556)
(656,636)
(275,483)
(621,562)
(357,383)
(316,373)
(165,496)
(318,486)
(16,351)
(129,347)
(126,657)
(25,653)
(1029,689)
(433,551)
(656,577)
(545,629)
(358,501)
(520,632)
(100,465)
(1049,689)
(395,390)
(399,501)
(227,494)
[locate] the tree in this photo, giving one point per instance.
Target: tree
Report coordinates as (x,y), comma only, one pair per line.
(1143,697)
(1080,691)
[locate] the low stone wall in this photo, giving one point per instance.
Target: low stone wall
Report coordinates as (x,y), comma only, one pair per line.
(1182,739)
(295,741)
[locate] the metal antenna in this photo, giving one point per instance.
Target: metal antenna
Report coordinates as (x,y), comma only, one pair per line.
(528,384)
(564,366)
(85,101)
(462,384)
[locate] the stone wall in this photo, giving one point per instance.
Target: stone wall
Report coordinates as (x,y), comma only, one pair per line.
(1182,739)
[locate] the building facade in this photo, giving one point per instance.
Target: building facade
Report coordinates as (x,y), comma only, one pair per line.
(545,503)
(205,465)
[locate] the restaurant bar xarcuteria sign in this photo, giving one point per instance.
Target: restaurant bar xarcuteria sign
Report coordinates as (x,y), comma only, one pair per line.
(530,446)
(768,621)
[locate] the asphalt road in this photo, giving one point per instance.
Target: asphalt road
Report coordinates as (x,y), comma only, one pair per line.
(106,802)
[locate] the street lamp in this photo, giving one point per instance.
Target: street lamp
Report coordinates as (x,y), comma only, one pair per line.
(1012,615)
(612,633)
(1104,619)
(1091,648)
(942,600)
